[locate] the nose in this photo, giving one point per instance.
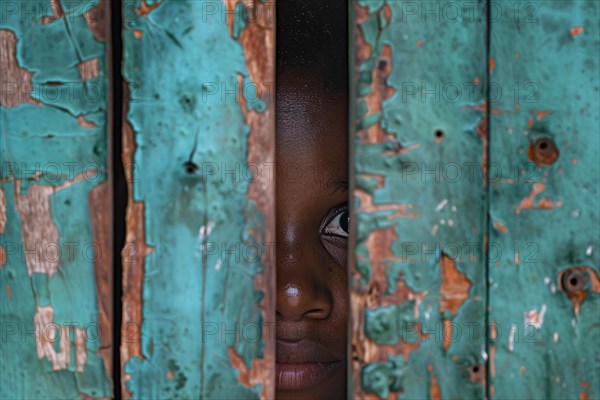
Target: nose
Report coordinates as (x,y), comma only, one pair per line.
(302,290)
(297,301)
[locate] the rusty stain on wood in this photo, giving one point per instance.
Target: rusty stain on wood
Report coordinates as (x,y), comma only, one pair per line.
(542,152)
(577,282)
(577,30)
(543,203)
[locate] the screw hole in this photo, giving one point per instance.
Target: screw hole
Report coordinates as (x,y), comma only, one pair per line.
(190,167)
(475,369)
(543,152)
(573,281)
(439,134)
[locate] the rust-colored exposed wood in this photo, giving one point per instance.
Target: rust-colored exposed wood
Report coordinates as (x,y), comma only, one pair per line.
(101,217)
(258,42)
(57,12)
(132,256)
(96,18)
(15,81)
(144,9)
(455,286)
(88,69)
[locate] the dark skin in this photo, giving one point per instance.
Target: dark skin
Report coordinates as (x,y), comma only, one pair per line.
(312,220)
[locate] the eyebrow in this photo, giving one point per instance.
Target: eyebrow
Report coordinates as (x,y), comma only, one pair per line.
(335,186)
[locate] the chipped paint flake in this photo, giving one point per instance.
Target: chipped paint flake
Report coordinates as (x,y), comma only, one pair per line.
(500,227)
(511,337)
(39,233)
(441,205)
(46,332)
(89,69)
(80,349)
(2,211)
(205,230)
(14,80)
(84,123)
(57,12)
(534,317)
(577,30)
(144,9)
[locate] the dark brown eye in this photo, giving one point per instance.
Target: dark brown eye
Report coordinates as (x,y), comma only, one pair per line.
(337,223)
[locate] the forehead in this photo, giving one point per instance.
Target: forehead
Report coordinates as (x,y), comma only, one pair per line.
(310,115)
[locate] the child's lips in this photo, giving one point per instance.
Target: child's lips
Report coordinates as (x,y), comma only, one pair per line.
(303,364)
(304,375)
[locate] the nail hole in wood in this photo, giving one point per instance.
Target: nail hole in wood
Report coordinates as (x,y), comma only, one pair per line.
(574,280)
(190,167)
(543,152)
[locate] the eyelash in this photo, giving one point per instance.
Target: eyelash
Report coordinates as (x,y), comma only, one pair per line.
(331,216)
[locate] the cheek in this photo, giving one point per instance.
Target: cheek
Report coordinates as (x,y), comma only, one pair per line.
(336,257)
(337,248)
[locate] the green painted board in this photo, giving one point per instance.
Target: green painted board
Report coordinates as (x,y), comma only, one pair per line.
(55,259)
(419,147)
(544,201)
(198,140)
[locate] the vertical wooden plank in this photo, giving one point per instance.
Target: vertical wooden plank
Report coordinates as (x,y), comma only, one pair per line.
(545,205)
(199,147)
(419,218)
(55,213)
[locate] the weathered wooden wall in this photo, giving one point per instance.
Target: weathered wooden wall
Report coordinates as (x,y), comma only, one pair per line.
(198,278)
(55,214)
(476,252)
(419,226)
(477,225)
(544,201)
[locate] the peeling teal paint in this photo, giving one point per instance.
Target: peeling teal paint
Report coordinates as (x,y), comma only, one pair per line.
(199,299)
(422,216)
(44,150)
(553,352)
(537,253)
(384,377)
(389,324)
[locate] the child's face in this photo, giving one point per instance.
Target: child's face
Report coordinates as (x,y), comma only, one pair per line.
(312,225)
